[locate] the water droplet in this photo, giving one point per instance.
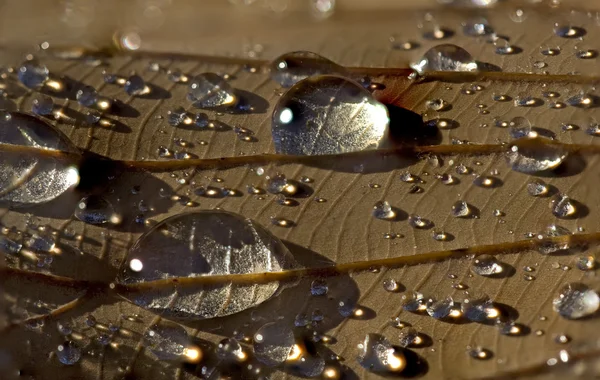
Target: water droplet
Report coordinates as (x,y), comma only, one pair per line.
(486,181)
(586,54)
(416,221)
(25,178)
(562,206)
(462,169)
(477,28)
(524,100)
(273,343)
(503,47)
(346,307)
(291,68)
(447,179)
(383,210)
(9,246)
(167,341)
(584,263)
(534,155)
(391,285)
(33,74)
(576,301)
(210,90)
(95,209)
(412,301)
(520,127)
(562,339)
(319,287)
(68,353)
(43,105)
(440,309)
(593,130)
(328,115)
(135,86)
(479,353)
(440,235)
(377,354)
(408,336)
(446,57)
(437,104)
(550,51)
(87,96)
(178,116)
(568,31)
(461,209)
(230,350)
(277,184)
(538,188)
(486,265)
(281,222)
(204,243)
(477,308)
(509,328)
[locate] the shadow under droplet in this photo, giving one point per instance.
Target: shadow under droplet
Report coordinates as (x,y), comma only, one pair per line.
(122,109)
(485,66)
(407,128)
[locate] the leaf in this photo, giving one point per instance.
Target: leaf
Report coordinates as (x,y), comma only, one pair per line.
(335,239)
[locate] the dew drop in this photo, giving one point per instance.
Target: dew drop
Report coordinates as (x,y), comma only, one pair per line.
(210,90)
(377,354)
(520,127)
(503,47)
(445,57)
(43,106)
(346,307)
(477,308)
(412,301)
(87,96)
(568,31)
(135,86)
(439,309)
(461,209)
(33,74)
(277,184)
(538,188)
(486,265)
(328,115)
(534,155)
(391,285)
(291,68)
(319,287)
(586,263)
(479,353)
(273,343)
(230,350)
(477,28)
(575,301)
(408,336)
(416,221)
(167,341)
(68,353)
(437,104)
(95,209)
(550,51)
(562,206)
(440,235)
(383,210)
(587,54)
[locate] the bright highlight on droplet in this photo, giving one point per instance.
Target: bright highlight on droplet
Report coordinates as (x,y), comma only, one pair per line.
(286,116)
(192,354)
(72,176)
(295,353)
(136,265)
(395,362)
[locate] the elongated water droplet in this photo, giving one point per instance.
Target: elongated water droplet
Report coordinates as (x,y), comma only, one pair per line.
(446,57)
(534,155)
(210,90)
(376,354)
(33,74)
(273,343)
(290,68)
(68,353)
(24,178)
(328,115)
(203,243)
(486,265)
(167,340)
(576,301)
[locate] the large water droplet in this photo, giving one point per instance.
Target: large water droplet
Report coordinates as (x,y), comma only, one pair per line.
(273,343)
(534,155)
(328,115)
(167,340)
(377,354)
(290,68)
(68,353)
(33,74)
(204,243)
(576,301)
(26,179)
(446,57)
(210,90)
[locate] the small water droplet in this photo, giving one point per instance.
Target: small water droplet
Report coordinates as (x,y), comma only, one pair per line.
(383,210)
(477,28)
(486,265)
(95,209)
(477,308)
(87,96)
(480,353)
(586,54)
(319,287)
(167,341)
(503,47)
(277,184)
(461,209)
(43,105)
(576,301)
(68,353)
(408,336)
(416,221)
(568,31)
(562,339)
(446,57)
(550,51)
(135,86)
(437,104)
(439,309)
(33,74)
(412,301)
(377,354)
(209,90)
(562,206)
(586,263)
(391,285)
